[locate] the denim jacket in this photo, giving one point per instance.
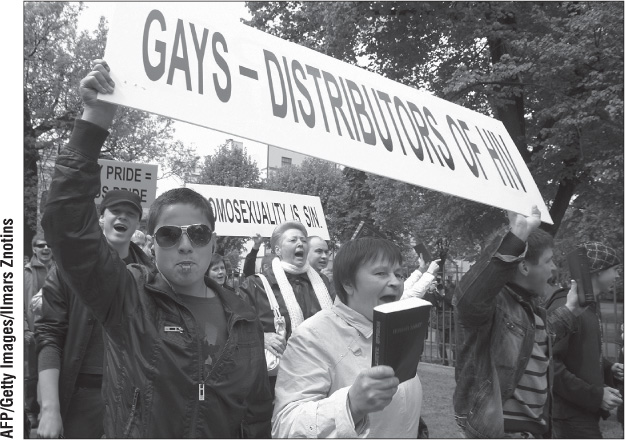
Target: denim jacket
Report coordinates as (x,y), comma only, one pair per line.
(495,334)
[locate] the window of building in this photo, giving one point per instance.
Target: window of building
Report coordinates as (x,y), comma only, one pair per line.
(286,161)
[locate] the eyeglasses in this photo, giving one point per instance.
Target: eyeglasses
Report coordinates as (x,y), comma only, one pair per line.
(42,245)
(169,236)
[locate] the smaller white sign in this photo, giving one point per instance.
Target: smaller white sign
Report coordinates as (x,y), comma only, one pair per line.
(139,178)
(245,212)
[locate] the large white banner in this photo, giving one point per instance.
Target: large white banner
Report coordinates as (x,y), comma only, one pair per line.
(169,59)
(244,212)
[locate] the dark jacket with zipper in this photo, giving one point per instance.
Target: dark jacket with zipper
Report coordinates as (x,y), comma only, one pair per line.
(580,370)
(65,327)
(495,335)
(153,376)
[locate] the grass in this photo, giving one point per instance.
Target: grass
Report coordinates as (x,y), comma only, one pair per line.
(437,410)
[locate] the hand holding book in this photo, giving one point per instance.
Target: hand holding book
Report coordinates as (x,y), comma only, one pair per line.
(372,391)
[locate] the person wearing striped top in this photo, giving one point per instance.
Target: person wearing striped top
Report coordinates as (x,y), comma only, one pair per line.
(504,337)
(525,410)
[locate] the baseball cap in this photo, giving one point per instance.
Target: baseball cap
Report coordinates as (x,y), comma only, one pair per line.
(118,196)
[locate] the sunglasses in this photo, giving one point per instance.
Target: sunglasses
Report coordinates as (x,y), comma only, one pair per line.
(42,245)
(169,236)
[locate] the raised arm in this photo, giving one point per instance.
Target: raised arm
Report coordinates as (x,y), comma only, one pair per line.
(88,265)
(474,298)
(418,288)
(249,266)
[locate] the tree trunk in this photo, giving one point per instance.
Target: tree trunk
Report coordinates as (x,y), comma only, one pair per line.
(566,189)
(512,113)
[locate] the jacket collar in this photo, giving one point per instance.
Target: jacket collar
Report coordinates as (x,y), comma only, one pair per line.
(524,296)
(231,302)
(137,255)
(35,263)
(353,318)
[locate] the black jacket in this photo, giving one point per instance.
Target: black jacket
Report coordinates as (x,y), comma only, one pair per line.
(152,377)
(253,291)
(579,377)
(65,326)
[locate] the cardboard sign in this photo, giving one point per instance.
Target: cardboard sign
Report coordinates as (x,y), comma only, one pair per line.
(244,212)
(175,60)
(140,178)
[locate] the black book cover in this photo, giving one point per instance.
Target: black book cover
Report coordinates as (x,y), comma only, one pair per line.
(580,272)
(399,330)
(423,250)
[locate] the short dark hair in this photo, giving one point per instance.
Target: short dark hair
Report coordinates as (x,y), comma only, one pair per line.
(38,236)
(354,254)
(216,259)
(185,196)
(537,243)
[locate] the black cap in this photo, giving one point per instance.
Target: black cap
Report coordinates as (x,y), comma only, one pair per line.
(117,196)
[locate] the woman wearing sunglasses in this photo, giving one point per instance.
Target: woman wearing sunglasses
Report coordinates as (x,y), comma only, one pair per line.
(299,290)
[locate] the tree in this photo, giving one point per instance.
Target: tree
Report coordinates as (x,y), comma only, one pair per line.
(56,58)
(314,177)
(552,72)
(230,165)
(356,205)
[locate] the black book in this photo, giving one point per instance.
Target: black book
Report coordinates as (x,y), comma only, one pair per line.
(423,250)
(399,330)
(579,267)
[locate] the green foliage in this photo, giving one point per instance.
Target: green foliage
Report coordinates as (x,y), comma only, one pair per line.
(552,72)
(230,165)
(314,177)
(56,58)
(234,258)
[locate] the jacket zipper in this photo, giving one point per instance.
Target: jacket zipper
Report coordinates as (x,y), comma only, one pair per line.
(133,410)
(202,380)
(201,395)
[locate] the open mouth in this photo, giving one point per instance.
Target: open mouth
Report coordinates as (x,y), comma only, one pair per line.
(120,228)
(299,254)
(387,299)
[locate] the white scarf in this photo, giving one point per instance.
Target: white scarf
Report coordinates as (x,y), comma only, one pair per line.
(295,312)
